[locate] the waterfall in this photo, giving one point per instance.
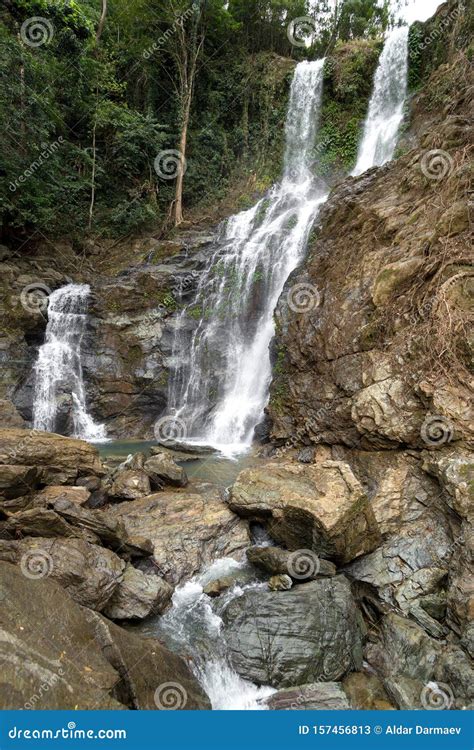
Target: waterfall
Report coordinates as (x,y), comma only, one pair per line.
(386,104)
(193,626)
(221,387)
(58,368)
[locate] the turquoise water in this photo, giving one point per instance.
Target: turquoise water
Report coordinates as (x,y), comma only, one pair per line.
(214,468)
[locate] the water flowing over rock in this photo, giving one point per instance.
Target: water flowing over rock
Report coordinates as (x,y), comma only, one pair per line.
(59,387)
(219,392)
(386,104)
(193,624)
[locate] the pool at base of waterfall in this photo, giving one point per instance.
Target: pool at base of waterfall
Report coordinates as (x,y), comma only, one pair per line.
(214,467)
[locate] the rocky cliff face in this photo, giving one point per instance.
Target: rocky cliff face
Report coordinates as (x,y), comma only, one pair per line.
(373,367)
(381,347)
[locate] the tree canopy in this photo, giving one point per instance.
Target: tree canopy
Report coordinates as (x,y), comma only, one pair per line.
(91,93)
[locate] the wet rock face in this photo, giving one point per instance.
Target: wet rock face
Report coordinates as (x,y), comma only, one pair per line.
(384,342)
(294,637)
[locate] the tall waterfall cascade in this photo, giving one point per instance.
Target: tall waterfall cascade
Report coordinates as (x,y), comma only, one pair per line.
(385,112)
(58,368)
(220,388)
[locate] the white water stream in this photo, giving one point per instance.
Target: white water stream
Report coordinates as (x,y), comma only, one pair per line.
(386,104)
(58,368)
(220,389)
(193,625)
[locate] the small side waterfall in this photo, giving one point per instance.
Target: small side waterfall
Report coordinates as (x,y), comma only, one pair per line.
(193,625)
(386,104)
(219,391)
(58,368)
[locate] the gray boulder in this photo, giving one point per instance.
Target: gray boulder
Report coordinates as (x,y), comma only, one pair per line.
(321,507)
(318,696)
(308,634)
(137,596)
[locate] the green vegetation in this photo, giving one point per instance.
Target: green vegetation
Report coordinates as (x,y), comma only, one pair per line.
(348,76)
(92,92)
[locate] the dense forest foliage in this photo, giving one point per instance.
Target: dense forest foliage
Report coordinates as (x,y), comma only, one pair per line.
(116,115)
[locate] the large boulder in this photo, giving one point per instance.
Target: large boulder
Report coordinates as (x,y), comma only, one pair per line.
(138,595)
(89,573)
(320,507)
(58,655)
(308,634)
(60,460)
(186,532)
(318,696)
(130,484)
(163,470)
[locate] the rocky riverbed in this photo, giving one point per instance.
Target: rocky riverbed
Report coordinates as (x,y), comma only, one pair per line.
(343,594)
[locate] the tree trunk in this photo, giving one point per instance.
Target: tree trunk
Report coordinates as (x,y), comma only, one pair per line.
(101,25)
(94,156)
(178,196)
